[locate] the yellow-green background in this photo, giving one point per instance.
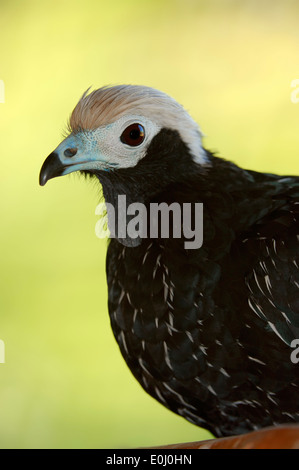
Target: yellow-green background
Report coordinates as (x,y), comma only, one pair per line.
(231,63)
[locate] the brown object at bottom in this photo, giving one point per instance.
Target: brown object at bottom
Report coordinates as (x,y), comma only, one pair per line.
(278,437)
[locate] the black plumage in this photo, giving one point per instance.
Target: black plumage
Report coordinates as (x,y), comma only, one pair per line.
(208,332)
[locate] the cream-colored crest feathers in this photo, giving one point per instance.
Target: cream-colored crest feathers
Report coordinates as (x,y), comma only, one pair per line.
(105,105)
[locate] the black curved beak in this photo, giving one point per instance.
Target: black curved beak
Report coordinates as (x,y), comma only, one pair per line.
(51,168)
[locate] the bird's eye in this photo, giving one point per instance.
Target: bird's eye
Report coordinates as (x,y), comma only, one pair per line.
(133,135)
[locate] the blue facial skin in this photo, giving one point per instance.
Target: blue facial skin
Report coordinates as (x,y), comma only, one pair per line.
(87,156)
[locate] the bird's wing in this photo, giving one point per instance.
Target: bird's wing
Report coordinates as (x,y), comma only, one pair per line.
(273,282)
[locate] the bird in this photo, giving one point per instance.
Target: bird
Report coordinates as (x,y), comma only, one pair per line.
(208,329)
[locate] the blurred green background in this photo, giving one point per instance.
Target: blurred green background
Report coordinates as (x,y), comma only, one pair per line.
(230,63)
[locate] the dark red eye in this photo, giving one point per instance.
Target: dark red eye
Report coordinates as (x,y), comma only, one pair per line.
(133,135)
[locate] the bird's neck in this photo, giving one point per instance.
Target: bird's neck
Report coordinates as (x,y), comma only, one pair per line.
(167,165)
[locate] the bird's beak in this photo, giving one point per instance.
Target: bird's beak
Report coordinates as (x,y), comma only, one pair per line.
(68,157)
(51,168)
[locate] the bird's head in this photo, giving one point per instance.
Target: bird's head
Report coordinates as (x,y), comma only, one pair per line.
(112,128)
(136,140)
